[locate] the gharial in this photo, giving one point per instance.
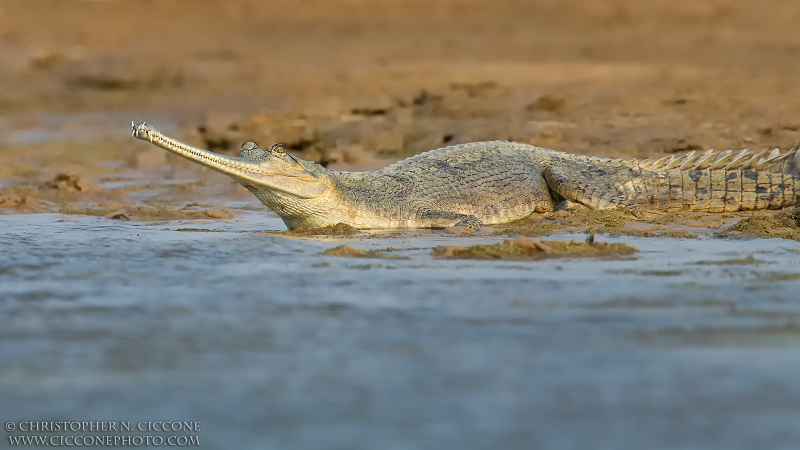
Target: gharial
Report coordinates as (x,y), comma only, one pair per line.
(497,182)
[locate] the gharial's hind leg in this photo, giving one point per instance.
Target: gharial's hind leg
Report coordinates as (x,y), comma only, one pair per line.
(588,192)
(559,202)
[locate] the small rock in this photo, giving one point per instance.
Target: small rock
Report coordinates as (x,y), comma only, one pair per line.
(116,74)
(346,251)
(219,213)
(118,215)
(45,58)
(67,182)
(523,242)
(547,103)
(339,229)
(460,231)
(557,215)
(16,201)
(446,251)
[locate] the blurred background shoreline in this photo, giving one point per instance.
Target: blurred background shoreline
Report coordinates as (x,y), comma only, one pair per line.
(356,84)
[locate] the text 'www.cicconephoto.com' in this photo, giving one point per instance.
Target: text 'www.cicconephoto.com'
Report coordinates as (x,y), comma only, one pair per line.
(103,433)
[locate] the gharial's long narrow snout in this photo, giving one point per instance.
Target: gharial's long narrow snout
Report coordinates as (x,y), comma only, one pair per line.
(269,173)
(234,167)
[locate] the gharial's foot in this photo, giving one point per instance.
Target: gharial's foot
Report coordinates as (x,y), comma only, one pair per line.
(469,222)
(435,218)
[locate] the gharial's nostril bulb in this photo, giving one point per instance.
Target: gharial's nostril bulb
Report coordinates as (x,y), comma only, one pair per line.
(250,150)
(249,146)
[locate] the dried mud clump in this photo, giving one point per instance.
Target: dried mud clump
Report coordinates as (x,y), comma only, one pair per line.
(20,203)
(149,213)
(605,221)
(340,229)
(749,260)
(163,213)
(727,335)
(533,230)
(617,222)
(547,103)
(523,248)
(784,225)
(348,251)
(117,75)
(67,183)
(613,218)
(643,233)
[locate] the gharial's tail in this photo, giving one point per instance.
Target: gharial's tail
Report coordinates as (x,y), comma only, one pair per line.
(728,181)
(788,162)
(710,181)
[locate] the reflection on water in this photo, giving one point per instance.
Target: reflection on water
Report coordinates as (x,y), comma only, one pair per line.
(270,345)
(79,127)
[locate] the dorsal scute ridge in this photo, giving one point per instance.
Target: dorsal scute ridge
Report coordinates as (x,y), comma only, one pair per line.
(631,163)
(690,160)
(766,160)
(754,159)
(771,160)
(706,160)
(775,164)
(775,153)
(677,161)
(796,151)
(660,163)
(722,160)
(738,160)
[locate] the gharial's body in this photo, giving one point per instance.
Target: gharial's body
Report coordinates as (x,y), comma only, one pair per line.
(498,182)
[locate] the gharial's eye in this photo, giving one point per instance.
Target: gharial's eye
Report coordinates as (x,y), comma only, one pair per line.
(277,149)
(280,150)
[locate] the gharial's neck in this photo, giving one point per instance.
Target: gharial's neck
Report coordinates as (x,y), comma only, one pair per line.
(304,212)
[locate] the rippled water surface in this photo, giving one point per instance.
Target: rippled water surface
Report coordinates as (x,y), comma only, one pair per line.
(270,345)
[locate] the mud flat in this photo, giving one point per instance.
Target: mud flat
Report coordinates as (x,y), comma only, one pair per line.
(197,320)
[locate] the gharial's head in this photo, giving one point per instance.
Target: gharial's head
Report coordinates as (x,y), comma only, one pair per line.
(273,169)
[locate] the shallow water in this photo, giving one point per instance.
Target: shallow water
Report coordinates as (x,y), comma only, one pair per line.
(75,127)
(270,345)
